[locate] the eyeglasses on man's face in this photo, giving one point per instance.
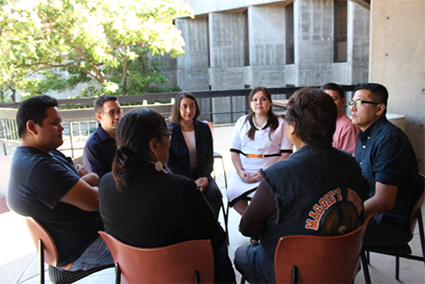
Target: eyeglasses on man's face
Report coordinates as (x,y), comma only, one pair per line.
(113,113)
(359,103)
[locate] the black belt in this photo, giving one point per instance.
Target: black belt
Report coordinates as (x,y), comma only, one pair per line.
(257,156)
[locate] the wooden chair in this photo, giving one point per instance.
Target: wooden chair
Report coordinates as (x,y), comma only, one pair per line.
(48,253)
(405,251)
(186,262)
(321,259)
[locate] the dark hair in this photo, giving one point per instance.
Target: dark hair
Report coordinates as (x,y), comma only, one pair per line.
(134,132)
(334,87)
(313,114)
(33,109)
(378,92)
(273,122)
(98,103)
(175,111)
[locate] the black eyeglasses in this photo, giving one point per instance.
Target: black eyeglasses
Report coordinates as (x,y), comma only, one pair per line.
(168,135)
(112,113)
(358,103)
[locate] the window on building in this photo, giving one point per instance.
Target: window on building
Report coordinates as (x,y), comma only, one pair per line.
(289,23)
(340,27)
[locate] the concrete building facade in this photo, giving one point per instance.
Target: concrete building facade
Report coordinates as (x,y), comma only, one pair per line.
(247,43)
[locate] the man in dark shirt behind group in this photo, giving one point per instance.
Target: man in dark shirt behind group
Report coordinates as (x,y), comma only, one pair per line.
(390,166)
(100,148)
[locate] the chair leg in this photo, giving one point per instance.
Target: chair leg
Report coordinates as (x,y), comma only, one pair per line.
(226,220)
(365,267)
(224,173)
(397,267)
(421,233)
(368,257)
(197,277)
(117,273)
(41,253)
(294,274)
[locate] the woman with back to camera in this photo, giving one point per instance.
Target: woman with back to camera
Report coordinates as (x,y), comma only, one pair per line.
(191,150)
(259,140)
(144,206)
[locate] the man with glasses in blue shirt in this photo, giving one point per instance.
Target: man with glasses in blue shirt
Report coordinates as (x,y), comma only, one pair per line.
(389,164)
(99,151)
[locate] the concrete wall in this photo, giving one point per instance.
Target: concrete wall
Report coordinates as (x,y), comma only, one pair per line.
(313,41)
(192,67)
(244,44)
(397,49)
(266,29)
(227,42)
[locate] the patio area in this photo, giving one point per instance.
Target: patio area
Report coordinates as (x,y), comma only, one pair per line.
(19,260)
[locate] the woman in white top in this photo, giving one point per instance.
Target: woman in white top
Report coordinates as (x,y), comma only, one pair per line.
(191,149)
(259,140)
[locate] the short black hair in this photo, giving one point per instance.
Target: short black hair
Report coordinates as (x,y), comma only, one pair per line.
(379,93)
(334,87)
(313,114)
(98,103)
(33,109)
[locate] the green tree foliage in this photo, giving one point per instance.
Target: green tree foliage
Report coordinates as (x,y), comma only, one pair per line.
(106,43)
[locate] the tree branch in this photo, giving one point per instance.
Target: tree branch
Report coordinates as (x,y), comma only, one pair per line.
(99,74)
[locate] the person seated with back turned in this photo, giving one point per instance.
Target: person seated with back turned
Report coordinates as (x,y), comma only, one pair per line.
(390,166)
(191,151)
(144,206)
(99,151)
(318,190)
(345,136)
(45,185)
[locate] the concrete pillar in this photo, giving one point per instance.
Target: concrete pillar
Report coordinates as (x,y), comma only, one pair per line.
(397,48)
(266,29)
(228,48)
(313,42)
(358,40)
(192,67)
(355,69)
(228,41)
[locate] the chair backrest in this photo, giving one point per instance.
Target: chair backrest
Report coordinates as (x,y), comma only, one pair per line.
(39,233)
(418,204)
(320,259)
(211,125)
(176,263)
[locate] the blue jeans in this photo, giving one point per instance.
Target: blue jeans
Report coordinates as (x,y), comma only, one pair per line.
(97,254)
(253,262)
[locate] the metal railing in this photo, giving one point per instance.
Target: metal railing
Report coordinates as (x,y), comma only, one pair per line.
(220,107)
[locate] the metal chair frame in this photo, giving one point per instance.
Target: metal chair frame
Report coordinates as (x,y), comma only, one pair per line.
(48,253)
(405,251)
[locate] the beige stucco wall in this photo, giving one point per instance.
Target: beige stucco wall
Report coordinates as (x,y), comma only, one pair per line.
(397,60)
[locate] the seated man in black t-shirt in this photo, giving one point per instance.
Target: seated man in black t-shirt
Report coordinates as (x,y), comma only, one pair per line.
(46,185)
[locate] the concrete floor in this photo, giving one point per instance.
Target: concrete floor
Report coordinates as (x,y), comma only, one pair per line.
(19,261)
